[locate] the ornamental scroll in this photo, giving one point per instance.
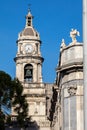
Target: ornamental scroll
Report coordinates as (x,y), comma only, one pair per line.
(72,90)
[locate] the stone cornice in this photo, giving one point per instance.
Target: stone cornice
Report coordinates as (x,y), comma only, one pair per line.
(27,39)
(72,45)
(74,82)
(27,57)
(69,66)
(31,87)
(35,95)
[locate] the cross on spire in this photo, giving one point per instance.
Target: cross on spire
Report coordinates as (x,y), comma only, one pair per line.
(29,5)
(29,17)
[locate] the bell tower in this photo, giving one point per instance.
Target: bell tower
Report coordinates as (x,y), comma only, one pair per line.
(29,72)
(28,58)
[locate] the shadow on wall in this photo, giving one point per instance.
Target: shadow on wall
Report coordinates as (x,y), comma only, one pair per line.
(28,126)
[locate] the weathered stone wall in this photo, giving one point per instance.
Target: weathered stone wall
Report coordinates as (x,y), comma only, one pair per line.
(69,81)
(72,87)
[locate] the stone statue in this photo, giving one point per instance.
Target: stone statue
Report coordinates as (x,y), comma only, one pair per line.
(73,35)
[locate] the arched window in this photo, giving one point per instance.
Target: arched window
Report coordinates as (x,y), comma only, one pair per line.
(28,73)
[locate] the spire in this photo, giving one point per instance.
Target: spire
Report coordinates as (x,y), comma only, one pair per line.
(29,18)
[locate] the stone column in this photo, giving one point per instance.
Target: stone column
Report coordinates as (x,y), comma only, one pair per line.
(85,59)
(35,73)
(40,73)
(39,49)
(19,48)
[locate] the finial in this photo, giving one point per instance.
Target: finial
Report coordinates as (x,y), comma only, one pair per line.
(29,10)
(63,40)
(73,35)
(62,44)
(29,17)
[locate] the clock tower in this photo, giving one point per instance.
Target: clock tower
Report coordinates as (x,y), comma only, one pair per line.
(29,72)
(28,59)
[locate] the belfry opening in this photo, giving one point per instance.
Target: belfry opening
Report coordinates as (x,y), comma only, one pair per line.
(28,73)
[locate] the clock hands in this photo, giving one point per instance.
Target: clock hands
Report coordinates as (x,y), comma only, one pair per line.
(28,48)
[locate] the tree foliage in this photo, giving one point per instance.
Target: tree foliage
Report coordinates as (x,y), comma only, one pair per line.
(5,85)
(11,94)
(20,103)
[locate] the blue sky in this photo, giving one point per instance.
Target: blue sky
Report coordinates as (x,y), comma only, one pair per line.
(53,19)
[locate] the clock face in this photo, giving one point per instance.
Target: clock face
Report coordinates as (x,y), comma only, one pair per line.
(29,48)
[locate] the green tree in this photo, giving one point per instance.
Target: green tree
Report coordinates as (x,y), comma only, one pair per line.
(20,103)
(5,84)
(11,94)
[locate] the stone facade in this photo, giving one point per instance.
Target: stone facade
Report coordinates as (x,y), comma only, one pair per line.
(57,106)
(29,72)
(69,87)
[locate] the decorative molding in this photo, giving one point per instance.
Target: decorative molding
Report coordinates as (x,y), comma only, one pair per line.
(35,95)
(70,66)
(72,90)
(72,82)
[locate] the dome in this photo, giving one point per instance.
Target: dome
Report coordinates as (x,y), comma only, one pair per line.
(29,31)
